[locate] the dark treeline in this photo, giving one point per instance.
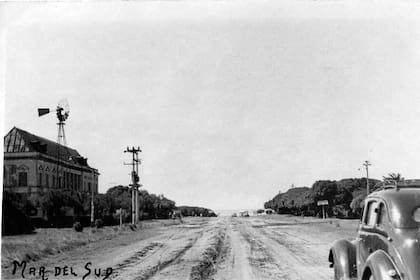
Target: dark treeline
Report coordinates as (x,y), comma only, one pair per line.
(195,211)
(345,198)
(62,208)
(119,197)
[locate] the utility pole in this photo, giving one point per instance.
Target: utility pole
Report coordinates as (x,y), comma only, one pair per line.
(367,164)
(136,179)
(134,183)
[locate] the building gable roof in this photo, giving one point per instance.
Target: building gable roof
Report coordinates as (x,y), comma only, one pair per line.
(29,142)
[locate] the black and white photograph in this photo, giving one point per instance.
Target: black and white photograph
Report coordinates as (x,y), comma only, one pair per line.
(210,140)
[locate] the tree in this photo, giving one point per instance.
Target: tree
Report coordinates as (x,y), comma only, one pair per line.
(357,203)
(104,205)
(14,218)
(393,177)
(121,197)
(54,202)
(340,195)
(324,190)
(150,205)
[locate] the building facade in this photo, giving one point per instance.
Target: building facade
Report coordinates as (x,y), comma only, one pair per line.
(33,165)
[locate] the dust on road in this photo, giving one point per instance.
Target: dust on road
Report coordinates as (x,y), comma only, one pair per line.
(267,247)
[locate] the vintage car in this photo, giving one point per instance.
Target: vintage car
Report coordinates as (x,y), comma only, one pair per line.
(388,239)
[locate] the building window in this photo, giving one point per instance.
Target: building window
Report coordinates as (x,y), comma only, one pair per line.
(76,178)
(53,181)
(47,180)
(23,179)
(66,175)
(40,179)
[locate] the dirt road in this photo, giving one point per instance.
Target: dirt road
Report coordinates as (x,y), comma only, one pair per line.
(270,247)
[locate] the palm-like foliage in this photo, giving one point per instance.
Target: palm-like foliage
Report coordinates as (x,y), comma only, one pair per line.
(393,177)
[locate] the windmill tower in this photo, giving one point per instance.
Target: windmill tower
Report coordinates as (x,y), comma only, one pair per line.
(62,112)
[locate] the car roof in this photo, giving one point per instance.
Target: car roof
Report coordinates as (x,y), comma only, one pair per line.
(395,192)
(399,195)
(401,202)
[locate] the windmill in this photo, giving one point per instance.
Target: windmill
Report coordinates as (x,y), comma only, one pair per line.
(62,112)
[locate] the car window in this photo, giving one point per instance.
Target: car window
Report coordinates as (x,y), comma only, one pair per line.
(366,212)
(382,215)
(417,215)
(370,214)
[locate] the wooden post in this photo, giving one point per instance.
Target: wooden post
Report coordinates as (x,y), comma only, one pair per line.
(92,204)
(120,217)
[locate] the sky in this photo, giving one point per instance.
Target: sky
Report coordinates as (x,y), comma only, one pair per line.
(230,101)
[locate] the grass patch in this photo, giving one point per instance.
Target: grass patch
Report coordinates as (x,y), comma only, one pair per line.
(51,241)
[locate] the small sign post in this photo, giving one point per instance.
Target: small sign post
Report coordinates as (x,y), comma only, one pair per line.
(323,203)
(120,212)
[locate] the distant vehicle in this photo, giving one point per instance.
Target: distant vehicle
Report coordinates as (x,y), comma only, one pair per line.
(260,212)
(244,214)
(268,211)
(234,215)
(176,214)
(388,241)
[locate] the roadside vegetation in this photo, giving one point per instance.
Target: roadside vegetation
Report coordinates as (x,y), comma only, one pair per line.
(67,208)
(14,218)
(194,211)
(345,197)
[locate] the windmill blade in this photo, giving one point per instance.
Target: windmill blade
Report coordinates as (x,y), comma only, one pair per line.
(43,111)
(63,103)
(63,110)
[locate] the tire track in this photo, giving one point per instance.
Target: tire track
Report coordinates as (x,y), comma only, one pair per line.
(137,257)
(200,261)
(166,262)
(157,256)
(264,263)
(297,264)
(212,255)
(297,245)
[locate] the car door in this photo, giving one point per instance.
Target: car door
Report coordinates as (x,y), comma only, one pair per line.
(366,237)
(382,228)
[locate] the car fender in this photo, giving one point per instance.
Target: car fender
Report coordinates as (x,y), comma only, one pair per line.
(380,265)
(343,258)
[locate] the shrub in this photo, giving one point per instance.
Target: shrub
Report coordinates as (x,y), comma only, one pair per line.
(99,223)
(14,219)
(77,226)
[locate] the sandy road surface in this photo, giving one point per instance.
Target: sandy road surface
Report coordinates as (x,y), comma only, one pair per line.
(271,247)
(281,248)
